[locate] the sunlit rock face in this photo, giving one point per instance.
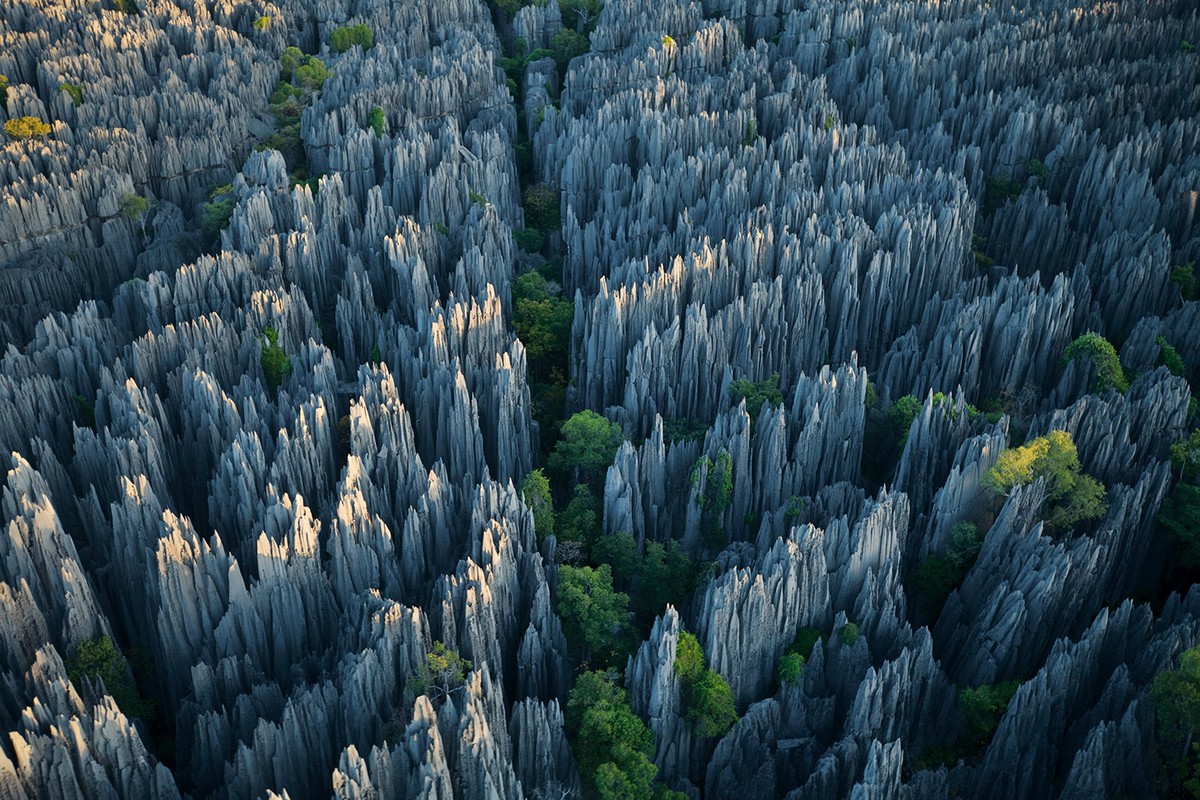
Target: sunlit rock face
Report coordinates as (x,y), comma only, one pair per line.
(272,378)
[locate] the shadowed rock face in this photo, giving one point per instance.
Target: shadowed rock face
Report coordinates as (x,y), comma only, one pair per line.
(851,202)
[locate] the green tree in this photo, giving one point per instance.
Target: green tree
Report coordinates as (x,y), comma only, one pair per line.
(276,365)
(377,122)
(24,128)
(999,189)
(1185,278)
(580,520)
(542,322)
(707,699)
(1185,456)
(756,393)
(718,491)
(1093,346)
(1180,515)
(535,490)
(541,208)
(939,574)
(300,74)
(3,91)
(983,707)
(595,617)
(689,658)
(900,416)
(1169,357)
(667,574)
(791,664)
(343,38)
(589,443)
(709,706)
(1071,496)
(1176,696)
(441,673)
(1084,501)
(133,206)
(100,659)
(619,551)
(791,669)
(529,239)
(613,747)
(566,45)
(965,543)
(848,633)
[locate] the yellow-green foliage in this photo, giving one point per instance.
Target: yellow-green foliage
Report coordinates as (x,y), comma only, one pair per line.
(1071,496)
(442,671)
(23,128)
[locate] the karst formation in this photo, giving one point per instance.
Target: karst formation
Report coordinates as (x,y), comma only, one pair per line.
(599,398)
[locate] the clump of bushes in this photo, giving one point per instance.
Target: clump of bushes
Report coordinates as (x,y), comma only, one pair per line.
(215,214)
(940,573)
(1093,346)
(342,39)
(377,122)
(300,77)
(756,393)
(24,128)
(75,90)
(99,659)
(276,365)
(707,699)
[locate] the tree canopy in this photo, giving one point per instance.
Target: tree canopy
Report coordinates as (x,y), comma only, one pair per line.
(276,365)
(1180,514)
(756,394)
(588,442)
(595,617)
(1176,696)
(984,706)
(1071,495)
(343,38)
(613,747)
(542,320)
(707,699)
